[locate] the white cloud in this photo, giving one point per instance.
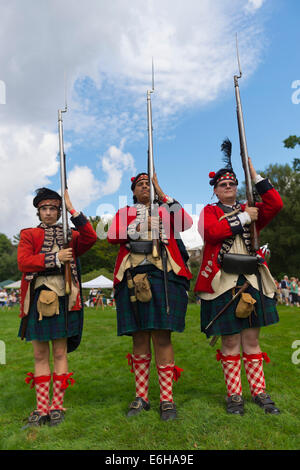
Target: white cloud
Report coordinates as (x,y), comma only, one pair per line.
(83,187)
(114,162)
(28,157)
(192,42)
(254,5)
(106,49)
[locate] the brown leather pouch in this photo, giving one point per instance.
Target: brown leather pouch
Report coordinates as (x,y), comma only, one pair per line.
(245,306)
(142,287)
(47,304)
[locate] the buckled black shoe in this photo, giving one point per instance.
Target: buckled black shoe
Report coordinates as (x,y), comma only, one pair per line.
(167,410)
(235,405)
(36,419)
(137,406)
(56,417)
(264,401)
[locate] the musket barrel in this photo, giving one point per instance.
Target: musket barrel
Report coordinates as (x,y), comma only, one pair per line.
(244,157)
(243,141)
(63,176)
(150,146)
(63,181)
(153,206)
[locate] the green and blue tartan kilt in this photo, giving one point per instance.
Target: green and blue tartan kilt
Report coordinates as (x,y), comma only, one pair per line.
(152,314)
(50,328)
(228,323)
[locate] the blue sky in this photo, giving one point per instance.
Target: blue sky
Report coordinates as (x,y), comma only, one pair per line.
(106,50)
(189,148)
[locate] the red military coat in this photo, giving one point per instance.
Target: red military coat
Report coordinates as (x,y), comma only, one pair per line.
(173,221)
(215,231)
(30,258)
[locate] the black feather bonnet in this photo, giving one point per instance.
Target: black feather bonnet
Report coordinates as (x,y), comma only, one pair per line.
(44,194)
(227,171)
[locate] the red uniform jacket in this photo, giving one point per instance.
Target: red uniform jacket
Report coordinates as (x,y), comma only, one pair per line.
(31,260)
(173,222)
(216,231)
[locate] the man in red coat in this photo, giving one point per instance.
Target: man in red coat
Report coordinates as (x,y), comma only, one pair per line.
(41,256)
(161,285)
(225,228)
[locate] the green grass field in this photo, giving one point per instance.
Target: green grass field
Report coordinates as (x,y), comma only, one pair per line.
(97,403)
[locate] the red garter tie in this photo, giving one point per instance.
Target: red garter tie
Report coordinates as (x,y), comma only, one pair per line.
(130,361)
(221,357)
(175,369)
(259,356)
(36,380)
(67,380)
(177,373)
(29,378)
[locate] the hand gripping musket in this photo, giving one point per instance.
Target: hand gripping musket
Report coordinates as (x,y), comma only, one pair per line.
(244,151)
(158,249)
(63,180)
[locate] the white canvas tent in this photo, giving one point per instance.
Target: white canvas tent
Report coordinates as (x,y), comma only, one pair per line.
(14,285)
(100,282)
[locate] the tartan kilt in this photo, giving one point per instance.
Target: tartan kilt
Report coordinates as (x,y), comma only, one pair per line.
(50,328)
(152,314)
(228,323)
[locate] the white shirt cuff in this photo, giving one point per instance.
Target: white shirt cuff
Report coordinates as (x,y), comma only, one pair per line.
(244,218)
(258,178)
(58,263)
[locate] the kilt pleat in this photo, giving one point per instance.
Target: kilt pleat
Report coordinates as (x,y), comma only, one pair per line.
(228,323)
(152,314)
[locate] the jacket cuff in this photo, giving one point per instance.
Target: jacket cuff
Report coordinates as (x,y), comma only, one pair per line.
(263,186)
(80,220)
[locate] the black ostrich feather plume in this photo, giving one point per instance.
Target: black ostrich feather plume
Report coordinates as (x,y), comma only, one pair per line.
(226,149)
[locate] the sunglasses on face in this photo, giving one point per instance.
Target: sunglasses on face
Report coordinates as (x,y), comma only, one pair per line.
(224,185)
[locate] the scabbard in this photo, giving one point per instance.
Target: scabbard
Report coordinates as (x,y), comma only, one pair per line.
(213,340)
(66,299)
(132,298)
(242,289)
(261,294)
(165,271)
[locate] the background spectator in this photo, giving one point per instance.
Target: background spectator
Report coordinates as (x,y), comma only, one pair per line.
(294,291)
(285,290)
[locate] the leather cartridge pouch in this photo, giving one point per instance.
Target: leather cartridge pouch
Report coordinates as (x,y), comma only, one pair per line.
(142,287)
(234,263)
(47,304)
(245,305)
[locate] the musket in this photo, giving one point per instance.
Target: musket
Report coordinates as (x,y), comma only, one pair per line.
(244,151)
(158,250)
(249,190)
(153,198)
(65,225)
